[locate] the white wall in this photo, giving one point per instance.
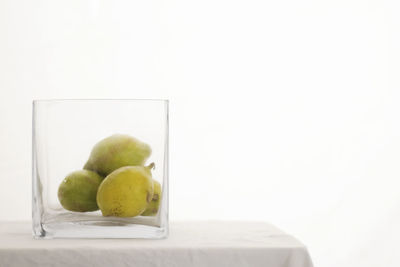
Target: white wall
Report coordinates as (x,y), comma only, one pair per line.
(283,111)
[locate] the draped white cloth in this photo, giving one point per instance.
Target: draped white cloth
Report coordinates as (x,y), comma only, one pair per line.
(189,244)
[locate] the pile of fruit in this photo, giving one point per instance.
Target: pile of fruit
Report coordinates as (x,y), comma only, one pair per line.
(114,179)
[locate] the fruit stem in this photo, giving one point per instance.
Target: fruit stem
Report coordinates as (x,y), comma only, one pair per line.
(151,166)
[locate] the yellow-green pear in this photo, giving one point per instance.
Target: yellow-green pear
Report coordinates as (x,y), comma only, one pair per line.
(154,204)
(77,192)
(126,192)
(117,151)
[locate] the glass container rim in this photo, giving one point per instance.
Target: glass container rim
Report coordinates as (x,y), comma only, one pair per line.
(53,100)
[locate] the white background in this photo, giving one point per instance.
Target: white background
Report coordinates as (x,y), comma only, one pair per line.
(281,111)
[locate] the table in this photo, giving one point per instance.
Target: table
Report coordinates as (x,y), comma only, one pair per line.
(197,244)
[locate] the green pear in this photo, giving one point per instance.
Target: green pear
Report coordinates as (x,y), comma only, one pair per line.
(126,192)
(77,192)
(154,204)
(117,151)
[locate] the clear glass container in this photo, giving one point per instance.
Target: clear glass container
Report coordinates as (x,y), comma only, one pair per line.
(113,140)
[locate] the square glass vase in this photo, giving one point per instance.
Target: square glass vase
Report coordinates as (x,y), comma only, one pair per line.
(100,168)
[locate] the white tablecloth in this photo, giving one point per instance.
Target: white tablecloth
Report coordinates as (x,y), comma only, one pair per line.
(190,244)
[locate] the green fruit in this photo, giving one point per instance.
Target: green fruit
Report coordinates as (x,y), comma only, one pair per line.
(77,192)
(126,192)
(117,151)
(154,204)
